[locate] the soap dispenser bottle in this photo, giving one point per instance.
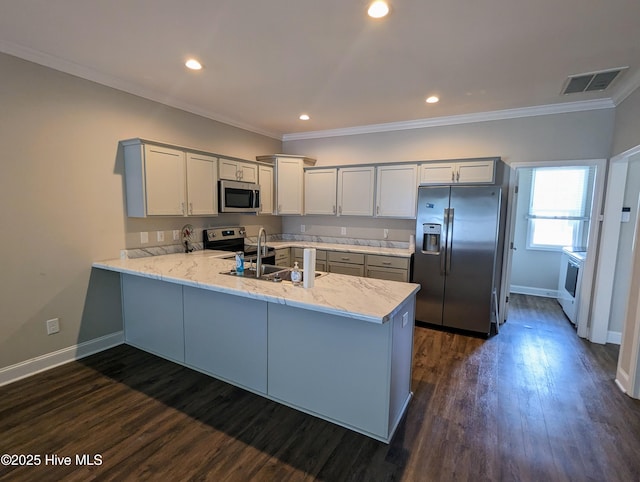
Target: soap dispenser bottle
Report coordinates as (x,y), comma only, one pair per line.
(296,274)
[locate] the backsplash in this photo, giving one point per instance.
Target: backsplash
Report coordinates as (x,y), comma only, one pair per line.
(252,240)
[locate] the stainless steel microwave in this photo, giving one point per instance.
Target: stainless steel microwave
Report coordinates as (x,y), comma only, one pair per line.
(238,197)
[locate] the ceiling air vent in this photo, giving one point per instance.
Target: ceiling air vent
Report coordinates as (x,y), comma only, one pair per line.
(591,82)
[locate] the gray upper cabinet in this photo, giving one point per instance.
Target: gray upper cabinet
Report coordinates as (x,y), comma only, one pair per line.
(320,190)
(396,191)
(234,170)
(155,180)
(468,172)
(168,181)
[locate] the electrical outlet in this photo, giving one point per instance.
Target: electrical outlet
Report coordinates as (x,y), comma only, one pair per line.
(53,326)
(176,234)
(302,228)
(160,236)
(144,237)
(343,231)
(385,233)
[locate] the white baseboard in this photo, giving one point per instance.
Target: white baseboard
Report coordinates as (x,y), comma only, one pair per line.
(50,360)
(614,337)
(528,290)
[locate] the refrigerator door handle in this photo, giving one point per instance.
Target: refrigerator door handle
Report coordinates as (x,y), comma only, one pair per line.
(443,242)
(449,249)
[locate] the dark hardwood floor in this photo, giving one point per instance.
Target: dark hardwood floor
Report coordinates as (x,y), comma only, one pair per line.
(534,403)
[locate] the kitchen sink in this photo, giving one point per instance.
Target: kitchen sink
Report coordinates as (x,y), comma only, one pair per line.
(269,273)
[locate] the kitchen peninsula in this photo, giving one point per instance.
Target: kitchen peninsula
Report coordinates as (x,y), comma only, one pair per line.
(341,350)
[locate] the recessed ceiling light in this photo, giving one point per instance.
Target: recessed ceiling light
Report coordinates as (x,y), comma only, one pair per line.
(193,64)
(432,100)
(304,117)
(378,9)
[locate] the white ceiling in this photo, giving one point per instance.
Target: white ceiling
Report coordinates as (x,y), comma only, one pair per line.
(266,62)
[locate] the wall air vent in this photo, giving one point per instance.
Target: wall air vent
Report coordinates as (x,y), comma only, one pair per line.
(591,81)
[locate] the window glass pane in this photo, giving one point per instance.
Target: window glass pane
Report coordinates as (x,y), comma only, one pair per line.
(558,192)
(553,232)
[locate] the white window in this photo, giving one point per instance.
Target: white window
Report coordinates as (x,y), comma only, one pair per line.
(558,208)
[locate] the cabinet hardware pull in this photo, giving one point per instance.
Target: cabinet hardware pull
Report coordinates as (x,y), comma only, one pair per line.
(345,258)
(340,209)
(386,263)
(182,207)
(458,176)
(453,175)
(377,209)
(334,209)
(190,208)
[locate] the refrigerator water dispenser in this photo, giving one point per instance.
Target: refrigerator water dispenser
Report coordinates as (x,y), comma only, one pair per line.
(431,238)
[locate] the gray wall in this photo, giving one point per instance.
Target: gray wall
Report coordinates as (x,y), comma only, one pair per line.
(535,268)
(626,136)
(582,135)
(62,193)
(627,125)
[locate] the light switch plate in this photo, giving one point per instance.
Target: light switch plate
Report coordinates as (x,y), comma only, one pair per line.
(343,231)
(176,234)
(160,236)
(144,237)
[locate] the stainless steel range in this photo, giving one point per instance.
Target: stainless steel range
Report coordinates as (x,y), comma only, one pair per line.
(232,239)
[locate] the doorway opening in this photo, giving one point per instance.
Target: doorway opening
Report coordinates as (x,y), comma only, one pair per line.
(554,213)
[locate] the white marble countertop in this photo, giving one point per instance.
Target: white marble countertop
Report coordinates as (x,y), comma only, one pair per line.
(366,299)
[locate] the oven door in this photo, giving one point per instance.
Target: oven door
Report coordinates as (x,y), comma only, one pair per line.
(571,280)
(239,197)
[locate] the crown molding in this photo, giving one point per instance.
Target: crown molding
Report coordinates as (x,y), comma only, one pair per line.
(93,75)
(628,87)
(565,107)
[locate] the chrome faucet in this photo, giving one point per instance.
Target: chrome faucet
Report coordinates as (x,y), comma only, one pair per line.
(260,252)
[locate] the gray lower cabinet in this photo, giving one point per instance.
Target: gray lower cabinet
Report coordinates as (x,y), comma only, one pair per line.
(342,262)
(321,258)
(387,267)
(353,373)
(224,336)
(152,311)
(283,257)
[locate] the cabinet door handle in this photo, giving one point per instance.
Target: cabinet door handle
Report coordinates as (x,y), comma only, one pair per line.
(334,209)
(386,263)
(377,209)
(279,207)
(345,258)
(339,209)
(182,207)
(458,176)
(453,175)
(190,208)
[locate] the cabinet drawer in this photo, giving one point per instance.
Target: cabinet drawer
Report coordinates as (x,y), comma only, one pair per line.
(320,264)
(320,254)
(387,261)
(392,274)
(346,268)
(282,253)
(343,257)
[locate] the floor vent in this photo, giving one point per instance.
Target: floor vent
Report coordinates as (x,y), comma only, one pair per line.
(590,82)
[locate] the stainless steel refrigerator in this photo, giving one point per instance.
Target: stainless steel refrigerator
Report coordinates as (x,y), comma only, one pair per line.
(456,258)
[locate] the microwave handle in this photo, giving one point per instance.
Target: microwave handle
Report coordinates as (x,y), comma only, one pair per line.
(256,198)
